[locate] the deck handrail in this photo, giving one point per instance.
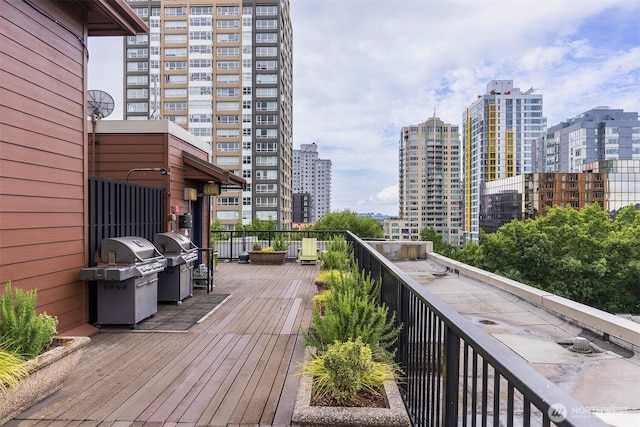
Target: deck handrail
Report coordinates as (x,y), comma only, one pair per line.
(453,370)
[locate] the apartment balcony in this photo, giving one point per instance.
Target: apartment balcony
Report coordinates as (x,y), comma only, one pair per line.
(476,349)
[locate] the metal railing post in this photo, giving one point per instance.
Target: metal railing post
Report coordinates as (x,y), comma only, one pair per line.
(451,377)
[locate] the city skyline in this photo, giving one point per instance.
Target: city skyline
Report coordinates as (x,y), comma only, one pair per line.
(364,69)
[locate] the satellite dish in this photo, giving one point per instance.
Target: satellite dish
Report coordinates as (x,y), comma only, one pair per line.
(99,103)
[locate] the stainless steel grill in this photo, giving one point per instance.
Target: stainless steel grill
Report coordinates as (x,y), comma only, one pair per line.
(175,283)
(127,280)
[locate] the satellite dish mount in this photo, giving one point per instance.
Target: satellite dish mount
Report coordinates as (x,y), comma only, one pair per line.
(99,105)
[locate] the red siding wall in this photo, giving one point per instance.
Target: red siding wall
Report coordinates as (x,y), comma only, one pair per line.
(42,155)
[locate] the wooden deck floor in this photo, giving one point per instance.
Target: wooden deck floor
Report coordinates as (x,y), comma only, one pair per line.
(235,368)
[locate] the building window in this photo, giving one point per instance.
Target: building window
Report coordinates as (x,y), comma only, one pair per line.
(227,38)
(175,38)
(227,133)
(266,10)
(137,80)
(200,77)
(266,24)
(227,120)
(137,53)
(175,65)
(227,160)
(199,118)
(175,25)
(227,106)
(139,39)
(227,10)
(175,93)
(266,92)
(266,38)
(228,51)
(227,23)
(175,11)
(175,51)
(266,133)
(137,107)
(200,21)
(227,146)
(266,106)
(200,63)
(267,51)
(227,78)
(200,48)
(137,66)
(175,106)
(266,78)
(228,65)
(175,78)
(137,93)
(199,35)
(266,65)
(267,147)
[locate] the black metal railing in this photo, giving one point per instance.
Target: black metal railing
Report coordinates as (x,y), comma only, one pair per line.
(454,373)
(230,244)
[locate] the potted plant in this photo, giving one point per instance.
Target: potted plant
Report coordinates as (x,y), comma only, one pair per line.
(33,362)
(274,254)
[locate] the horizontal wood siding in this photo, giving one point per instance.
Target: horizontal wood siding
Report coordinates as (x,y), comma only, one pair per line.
(42,155)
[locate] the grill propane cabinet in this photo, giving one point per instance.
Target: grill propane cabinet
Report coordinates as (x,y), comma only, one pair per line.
(175,283)
(127,280)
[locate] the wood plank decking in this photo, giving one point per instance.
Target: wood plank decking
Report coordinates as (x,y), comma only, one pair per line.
(234,368)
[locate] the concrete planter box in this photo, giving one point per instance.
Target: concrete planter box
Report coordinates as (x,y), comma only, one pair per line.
(307,415)
(267,258)
(48,371)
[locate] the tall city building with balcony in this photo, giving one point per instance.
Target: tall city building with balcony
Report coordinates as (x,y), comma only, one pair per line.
(312,176)
(499,131)
(223,71)
(429,181)
(599,134)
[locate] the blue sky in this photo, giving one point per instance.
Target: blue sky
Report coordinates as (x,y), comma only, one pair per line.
(365,68)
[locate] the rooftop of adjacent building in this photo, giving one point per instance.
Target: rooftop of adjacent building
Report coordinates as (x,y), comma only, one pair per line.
(603,380)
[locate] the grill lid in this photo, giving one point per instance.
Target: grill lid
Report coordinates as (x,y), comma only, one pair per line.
(173,243)
(128,249)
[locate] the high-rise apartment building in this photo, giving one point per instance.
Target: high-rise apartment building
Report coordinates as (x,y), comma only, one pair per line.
(498,138)
(223,71)
(312,175)
(597,135)
(430,185)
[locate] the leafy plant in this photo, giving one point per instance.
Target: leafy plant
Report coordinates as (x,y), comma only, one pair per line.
(12,368)
(345,369)
(279,243)
(256,246)
(24,331)
(354,311)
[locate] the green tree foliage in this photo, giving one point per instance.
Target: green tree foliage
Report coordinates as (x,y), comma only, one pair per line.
(582,255)
(347,220)
(429,234)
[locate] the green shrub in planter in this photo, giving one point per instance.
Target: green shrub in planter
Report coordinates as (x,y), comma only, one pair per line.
(25,332)
(353,312)
(346,369)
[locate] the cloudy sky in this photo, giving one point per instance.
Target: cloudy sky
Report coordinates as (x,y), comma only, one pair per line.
(365,68)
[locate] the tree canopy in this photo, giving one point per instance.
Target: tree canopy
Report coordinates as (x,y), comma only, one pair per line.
(347,220)
(581,255)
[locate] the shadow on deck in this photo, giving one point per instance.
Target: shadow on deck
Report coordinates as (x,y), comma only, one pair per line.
(234,368)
